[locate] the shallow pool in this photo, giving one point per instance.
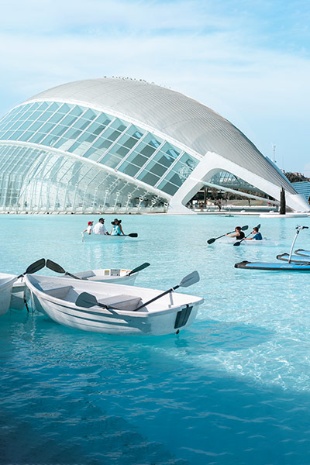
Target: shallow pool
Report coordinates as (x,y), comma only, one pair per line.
(234,388)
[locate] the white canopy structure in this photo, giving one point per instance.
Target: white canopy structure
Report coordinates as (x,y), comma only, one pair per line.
(121,145)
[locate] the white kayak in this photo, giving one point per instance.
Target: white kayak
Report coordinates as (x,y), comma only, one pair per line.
(110,275)
(113,308)
(246,242)
(6,285)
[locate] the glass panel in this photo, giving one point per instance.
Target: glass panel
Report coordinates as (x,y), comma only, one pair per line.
(64,109)
(129,169)
(56,118)
(89,115)
(148,178)
(168,188)
(112,160)
(36,139)
(76,111)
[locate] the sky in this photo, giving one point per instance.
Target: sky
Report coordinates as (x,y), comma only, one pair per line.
(248,60)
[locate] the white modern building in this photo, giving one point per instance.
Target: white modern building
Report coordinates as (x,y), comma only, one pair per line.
(124,145)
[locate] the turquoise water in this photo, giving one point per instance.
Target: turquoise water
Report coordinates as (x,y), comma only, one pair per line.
(234,388)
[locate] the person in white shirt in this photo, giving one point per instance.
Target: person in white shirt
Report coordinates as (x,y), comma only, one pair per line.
(100,228)
(89,228)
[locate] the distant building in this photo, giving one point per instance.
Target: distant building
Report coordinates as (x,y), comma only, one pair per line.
(303,188)
(123,145)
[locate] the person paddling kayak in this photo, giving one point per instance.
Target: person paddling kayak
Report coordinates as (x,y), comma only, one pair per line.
(256,235)
(238,234)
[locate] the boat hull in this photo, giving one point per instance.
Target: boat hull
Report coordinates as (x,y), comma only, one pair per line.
(6,285)
(263,242)
(107,238)
(164,316)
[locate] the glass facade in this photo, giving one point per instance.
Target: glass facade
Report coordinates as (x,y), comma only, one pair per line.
(56,156)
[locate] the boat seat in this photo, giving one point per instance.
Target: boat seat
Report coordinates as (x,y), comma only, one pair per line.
(85,274)
(122,302)
(59,292)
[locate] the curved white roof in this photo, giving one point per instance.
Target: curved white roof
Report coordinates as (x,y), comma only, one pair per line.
(179,117)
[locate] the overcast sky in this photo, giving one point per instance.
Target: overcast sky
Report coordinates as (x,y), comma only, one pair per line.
(249,60)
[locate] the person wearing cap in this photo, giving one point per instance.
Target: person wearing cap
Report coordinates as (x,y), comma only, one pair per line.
(100,228)
(117,229)
(89,228)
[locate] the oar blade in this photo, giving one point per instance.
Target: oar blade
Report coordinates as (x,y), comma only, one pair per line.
(133,235)
(244,228)
(36,266)
(139,268)
(210,241)
(54,266)
(190,279)
(86,300)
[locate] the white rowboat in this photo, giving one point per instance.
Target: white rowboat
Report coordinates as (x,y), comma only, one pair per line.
(110,275)
(113,308)
(106,237)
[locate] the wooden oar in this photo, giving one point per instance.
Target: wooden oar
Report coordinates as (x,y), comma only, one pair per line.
(139,268)
(187,281)
(36,266)
(88,300)
(239,242)
(58,269)
(213,239)
(124,235)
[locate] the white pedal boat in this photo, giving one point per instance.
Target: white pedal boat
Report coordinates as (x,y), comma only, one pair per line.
(113,308)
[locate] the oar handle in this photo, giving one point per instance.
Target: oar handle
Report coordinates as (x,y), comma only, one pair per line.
(71,275)
(157,297)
